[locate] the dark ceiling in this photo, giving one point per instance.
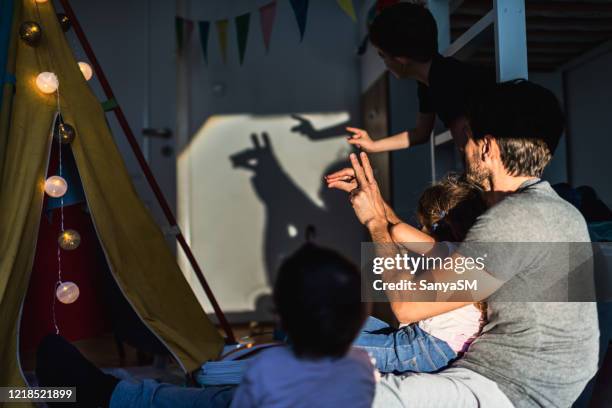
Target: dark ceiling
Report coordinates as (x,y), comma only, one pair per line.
(557,30)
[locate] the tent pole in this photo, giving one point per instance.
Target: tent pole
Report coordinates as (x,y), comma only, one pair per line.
(146,169)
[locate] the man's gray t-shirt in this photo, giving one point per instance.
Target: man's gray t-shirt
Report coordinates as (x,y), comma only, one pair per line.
(539,353)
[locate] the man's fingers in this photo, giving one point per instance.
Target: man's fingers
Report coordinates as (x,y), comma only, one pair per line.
(343,185)
(359,174)
(342,178)
(354,141)
(367,167)
(345,172)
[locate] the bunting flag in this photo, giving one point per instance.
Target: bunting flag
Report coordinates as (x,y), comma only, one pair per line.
(179,26)
(347,7)
(188,29)
(204,29)
(300,9)
(242,33)
(222,35)
(266,17)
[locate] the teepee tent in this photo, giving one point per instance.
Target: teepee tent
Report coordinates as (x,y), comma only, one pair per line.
(134,246)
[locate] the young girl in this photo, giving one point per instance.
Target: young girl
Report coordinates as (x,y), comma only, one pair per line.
(430,342)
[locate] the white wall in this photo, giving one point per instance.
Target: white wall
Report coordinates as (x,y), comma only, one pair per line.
(142,74)
(589,87)
(244,207)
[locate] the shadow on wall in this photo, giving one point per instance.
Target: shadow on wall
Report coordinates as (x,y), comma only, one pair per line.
(307,129)
(292,218)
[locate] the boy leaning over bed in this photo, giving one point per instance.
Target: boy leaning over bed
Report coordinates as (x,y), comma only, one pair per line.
(405,36)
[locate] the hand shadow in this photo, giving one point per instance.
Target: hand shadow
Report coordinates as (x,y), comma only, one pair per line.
(291,216)
(306,128)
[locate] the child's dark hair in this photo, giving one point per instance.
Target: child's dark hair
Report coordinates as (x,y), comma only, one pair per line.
(406,30)
(449,208)
(318,298)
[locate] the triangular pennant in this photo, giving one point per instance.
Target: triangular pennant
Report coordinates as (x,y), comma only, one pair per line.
(266,17)
(179,26)
(188,30)
(347,6)
(222,34)
(204,30)
(242,32)
(300,9)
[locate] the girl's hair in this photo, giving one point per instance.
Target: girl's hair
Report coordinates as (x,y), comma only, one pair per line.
(448,209)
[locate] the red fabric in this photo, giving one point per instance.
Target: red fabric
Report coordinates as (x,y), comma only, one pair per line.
(86,266)
(382,4)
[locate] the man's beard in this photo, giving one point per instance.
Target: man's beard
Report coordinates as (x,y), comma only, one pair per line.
(477,173)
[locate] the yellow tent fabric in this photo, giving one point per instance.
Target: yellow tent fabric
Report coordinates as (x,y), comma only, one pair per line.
(136,251)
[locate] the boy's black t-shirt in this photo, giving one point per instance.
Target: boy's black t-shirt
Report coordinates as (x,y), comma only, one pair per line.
(452,86)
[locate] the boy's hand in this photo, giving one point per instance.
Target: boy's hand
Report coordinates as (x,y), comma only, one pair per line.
(361,139)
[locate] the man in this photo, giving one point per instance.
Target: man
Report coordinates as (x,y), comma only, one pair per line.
(530,353)
(405,36)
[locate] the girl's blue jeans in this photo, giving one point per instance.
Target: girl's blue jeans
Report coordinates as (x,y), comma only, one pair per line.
(405,349)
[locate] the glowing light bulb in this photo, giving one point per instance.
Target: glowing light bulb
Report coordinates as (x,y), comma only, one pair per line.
(56,186)
(69,239)
(86,70)
(67,292)
(41,1)
(47,82)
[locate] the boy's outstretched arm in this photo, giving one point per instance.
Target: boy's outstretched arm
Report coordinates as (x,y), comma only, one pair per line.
(419,135)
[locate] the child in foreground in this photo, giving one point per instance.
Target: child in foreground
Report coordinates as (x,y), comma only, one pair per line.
(430,341)
(318,298)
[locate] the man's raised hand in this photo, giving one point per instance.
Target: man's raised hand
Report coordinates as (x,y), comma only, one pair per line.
(366,199)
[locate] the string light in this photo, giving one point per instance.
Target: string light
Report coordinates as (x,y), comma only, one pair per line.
(66,133)
(64,21)
(86,70)
(69,239)
(67,292)
(30,32)
(47,82)
(56,186)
